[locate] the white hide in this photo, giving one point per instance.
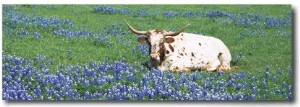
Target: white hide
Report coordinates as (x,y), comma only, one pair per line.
(190,55)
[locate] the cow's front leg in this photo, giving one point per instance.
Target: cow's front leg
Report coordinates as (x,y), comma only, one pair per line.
(212,66)
(223,68)
(185,69)
(179,69)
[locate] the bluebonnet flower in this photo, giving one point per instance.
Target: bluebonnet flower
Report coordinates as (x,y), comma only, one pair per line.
(144,49)
(170,14)
(142,12)
(240,96)
(238,86)
(217,13)
(267,75)
(221,73)
(261,32)
(105,9)
(290,96)
(87,95)
(241,54)
(221,83)
(264,84)
(231,82)
(24,32)
(188,14)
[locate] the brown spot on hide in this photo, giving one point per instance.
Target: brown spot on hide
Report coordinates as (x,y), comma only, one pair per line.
(178,57)
(220,54)
(181,54)
(200,44)
(168,52)
(181,39)
(171,60)
(183,48)
(172,49)
(154,46)
(191,59)
(185,53)
(193,54)
(181,34)
(162,55)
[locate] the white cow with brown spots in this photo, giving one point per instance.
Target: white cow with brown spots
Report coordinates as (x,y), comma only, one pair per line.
(179,51)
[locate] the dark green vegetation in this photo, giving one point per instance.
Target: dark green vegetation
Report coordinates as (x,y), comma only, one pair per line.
(258,36)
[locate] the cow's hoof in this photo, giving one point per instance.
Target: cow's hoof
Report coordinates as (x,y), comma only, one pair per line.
(185,70)
(223,68)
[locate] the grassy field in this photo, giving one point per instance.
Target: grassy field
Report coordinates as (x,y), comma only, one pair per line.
(80,45)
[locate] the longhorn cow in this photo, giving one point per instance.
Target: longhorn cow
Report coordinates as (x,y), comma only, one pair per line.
(179,51)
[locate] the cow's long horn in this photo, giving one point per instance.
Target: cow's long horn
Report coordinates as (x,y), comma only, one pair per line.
(177,32)
(134,30)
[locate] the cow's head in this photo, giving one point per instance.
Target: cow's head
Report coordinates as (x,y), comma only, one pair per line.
(156,39)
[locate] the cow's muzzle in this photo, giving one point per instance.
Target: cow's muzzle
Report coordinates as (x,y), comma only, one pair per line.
(154,56)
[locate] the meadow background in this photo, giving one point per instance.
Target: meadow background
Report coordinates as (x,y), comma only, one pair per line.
(86,52)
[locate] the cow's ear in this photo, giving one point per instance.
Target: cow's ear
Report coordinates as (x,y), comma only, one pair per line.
(142,39)
(169,40)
